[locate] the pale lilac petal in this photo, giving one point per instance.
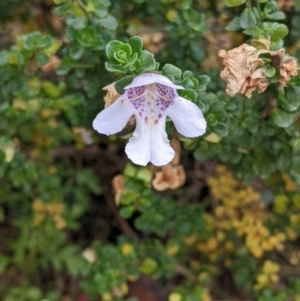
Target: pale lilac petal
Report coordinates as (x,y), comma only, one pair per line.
(114,118)
(151,78)
(187,117)
(149,143)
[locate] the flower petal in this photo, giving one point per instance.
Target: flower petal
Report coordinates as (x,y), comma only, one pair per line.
(151,78)
(114,118)
(187,117)
(149,144)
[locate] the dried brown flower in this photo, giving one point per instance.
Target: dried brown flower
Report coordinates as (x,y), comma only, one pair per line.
(84,135)
(59,222)
(52,65)
(256,80)
(288,68)
(239,72)
(154,41)
(118,184)
(264,43)
(287,64)
(169,177)
(285,4)
(90,255)
(111,94)
(175,143)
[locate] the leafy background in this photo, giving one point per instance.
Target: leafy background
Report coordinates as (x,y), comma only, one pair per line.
(231,232)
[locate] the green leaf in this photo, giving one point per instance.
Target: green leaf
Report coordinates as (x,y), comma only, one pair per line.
(120,57)
(129,171)
(24,56)
(145,175)
(53,48)
(65,66)
(109,22)
(295,167)
(32,41)
(148,266)
(59,1)
(234,25)
(279,31)
(136,44)
(131,62)
(270,7)
(256,13)
(293,93)
(50,89)
(79,23)
(281,118)
(3,58)
(41,58)
(77,52)
(254,32)
(115,46)
(278,15)
(63,9)
(283,160)
(202,152)
(87,37)
(114,67)
(211,119)
(169,69)
(188,74)
(127,211)
(263,166)
(189,94)
(187,83)
(46,42)
(203,81)
(4,261)
(291,100)
(220,129)
(99,44)
(234,3)
(98,8)
(287,106)
(147,62)
(247,19)
(36,40)
(123,82)
(270,72)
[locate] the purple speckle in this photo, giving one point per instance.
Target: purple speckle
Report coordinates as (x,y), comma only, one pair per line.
(135,92)
(167,93)
(138,102)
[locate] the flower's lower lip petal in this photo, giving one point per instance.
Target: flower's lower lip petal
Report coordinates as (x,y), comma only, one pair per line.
(161,152)
(149,144)
(114,118)
(138,146)
(187,117)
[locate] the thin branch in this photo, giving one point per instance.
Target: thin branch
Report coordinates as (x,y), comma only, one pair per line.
(83,7)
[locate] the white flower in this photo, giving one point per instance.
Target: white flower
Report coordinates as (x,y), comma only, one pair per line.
(151,98)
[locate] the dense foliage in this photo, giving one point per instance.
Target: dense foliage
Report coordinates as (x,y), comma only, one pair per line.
(78,221)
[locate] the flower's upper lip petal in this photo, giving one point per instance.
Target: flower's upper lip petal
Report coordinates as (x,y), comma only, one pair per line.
(187,117)
(151,78)
(114,118)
